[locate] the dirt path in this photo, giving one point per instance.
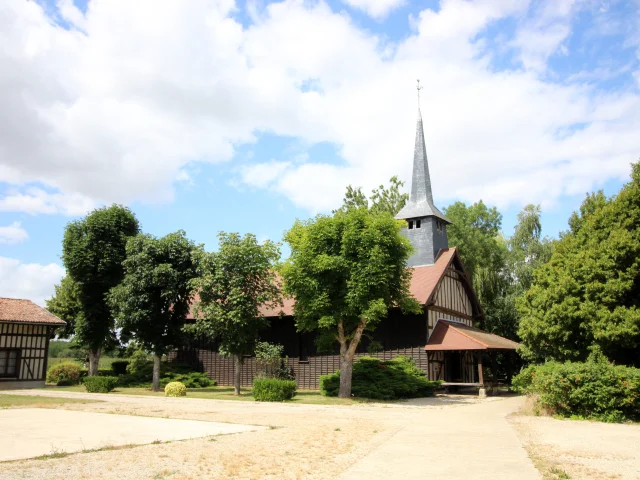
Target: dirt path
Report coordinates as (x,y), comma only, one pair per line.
(579,449)
(446,437)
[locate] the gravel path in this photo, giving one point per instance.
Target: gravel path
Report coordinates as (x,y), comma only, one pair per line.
(303,441)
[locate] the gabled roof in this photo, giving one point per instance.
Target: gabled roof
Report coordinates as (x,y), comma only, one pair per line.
(448,335)
(424,281)
(18,310)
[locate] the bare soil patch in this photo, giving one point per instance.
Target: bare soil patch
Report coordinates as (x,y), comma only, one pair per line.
(580,449)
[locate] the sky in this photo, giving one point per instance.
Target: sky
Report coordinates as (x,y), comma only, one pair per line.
(211,116)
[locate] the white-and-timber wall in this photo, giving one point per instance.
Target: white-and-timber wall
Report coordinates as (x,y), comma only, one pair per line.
(31,343)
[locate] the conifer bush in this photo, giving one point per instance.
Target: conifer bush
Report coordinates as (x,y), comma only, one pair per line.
(64,373)
(382,380)
(175,389)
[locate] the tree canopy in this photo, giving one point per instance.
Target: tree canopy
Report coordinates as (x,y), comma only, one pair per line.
(233,284)
(65,305)
(152,302)
(93,250)
(383,199)
(345,272)
(589,292)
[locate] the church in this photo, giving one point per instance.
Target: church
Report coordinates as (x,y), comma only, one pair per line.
(443,340)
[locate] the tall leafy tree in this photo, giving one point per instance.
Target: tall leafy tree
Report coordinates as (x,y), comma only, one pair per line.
(234,283)
(383,199)
(93,250)
(345,272)
(152,301)
(65,305)
(588,294)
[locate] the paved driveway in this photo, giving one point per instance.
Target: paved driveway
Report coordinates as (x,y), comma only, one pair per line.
(31,432)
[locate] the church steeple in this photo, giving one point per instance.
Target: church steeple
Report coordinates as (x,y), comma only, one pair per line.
(426,225)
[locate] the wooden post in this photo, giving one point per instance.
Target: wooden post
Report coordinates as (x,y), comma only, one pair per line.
(480,375)
(509,357)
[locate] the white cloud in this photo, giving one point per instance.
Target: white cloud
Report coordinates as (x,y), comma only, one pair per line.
(117,111)
(35,200)
(12,234)
(28,280)
(377,9)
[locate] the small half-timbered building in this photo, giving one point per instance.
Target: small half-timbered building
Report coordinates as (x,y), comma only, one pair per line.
(25,330)
(439,282)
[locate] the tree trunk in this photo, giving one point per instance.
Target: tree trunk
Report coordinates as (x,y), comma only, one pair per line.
(155,382)
(347,352)
(346,371)
(94,360)
(236,374)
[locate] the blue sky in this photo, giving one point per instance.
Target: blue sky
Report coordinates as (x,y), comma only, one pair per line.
(244,116)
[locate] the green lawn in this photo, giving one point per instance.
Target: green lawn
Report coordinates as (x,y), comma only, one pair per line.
(105,362)
(24,401)
(226,393)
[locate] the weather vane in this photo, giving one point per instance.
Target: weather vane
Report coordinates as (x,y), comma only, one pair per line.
(419,88)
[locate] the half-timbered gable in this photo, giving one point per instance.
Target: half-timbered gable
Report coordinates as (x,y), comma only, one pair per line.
(25,330)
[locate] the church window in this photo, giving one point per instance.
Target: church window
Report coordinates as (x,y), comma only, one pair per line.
(417,223)
(410,224)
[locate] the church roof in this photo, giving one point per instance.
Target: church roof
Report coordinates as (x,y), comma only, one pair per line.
(424,281)
(420,202)
(448,335)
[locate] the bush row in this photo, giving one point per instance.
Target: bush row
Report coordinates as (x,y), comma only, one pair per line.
(382,380)
(100,384)
(595,389)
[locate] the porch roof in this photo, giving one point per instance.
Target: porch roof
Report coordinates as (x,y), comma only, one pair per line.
(448,335)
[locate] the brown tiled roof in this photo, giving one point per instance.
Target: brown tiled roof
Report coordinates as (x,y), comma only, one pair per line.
(18,310)
(423,284)
(448,335)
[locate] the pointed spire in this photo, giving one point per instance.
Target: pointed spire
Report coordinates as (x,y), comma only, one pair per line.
(420,202)
(420,180)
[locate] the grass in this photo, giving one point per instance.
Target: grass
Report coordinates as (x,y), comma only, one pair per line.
(105,362)
(24,401)
(313,397)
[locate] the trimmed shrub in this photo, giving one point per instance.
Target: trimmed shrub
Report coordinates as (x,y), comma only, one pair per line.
(102,372)
(138,361)
(100,384)
(119,367)
(190,380)
(175,389)
(64,373)
(382,380)
(595,389)
(273,390)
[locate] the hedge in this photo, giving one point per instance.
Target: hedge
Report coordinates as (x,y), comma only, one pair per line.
(382,380)
(273,390)
(119,367)
(98,384)
(595,389)
(64,373)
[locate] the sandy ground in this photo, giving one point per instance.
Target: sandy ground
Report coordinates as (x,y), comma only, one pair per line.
(32,432)
(303,441)
(448,437)
(580,449)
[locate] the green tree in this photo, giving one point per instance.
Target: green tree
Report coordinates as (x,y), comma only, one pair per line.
(65,305)
(234,283)
(588,294)
(93,250)
(152,301)
(383,199)
(345,272)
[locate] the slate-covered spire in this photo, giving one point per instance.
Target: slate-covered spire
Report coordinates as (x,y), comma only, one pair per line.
(420,202)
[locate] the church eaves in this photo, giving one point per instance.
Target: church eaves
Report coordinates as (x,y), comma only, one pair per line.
(420,202)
